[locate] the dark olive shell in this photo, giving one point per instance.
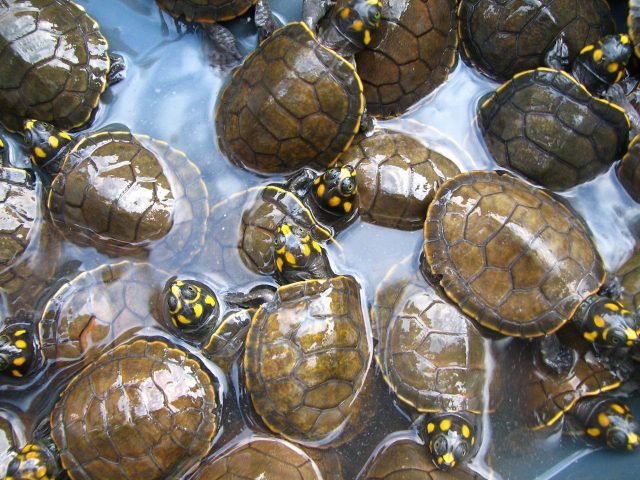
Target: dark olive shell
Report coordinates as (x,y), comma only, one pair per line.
(53,63)
(629,170)
(259,457)
(125,416)
(504,37)
(629,276)
(511,256)
(29,249)
(306,359)
(548,127)
(633,23)
(397,178)
(292,103)
(123,193)
(205,11)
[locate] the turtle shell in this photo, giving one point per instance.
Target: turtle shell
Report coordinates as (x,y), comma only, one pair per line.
(98,309)
(548,127)
(205,11)
(511,256)
(28,248)
(403,455)
(629,276)
(127,193)
(53,64)
(306,359)
(431,356)
(629,170)
(292,103)
(259,457)
(126,416)
(504,37)
(633,23)
(397,178)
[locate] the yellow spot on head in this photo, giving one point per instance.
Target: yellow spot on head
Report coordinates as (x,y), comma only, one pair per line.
(18,362)
(440,460)
(197,310)
(209,300)
(180,283)
(347,207)
(1,143)
(21,344)
(430,428)
(358,25)
(612,306)
(19,333)
(465,431)
(448,457)
(624,39)
(334,201)
(597,55)
(65,135)
(16,373)
(184,320)
(345,13)
(285,229)
(618,408)
(599,321)
(32,455)
(54,142)
(473,441)
(632,439)
(320,191)
(603,420)
(39,152)
(306,250)
(590,336)
(279,263)
(367,37)
(588,48)
(631,334)
(306,238)
(613,67)
(175,290)
(445,425)
(316,181)
(29,125)
(291,260)
(173,321)
(41,471)
(316,246)
(593,432)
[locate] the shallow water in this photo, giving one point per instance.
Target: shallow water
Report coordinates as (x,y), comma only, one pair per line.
(170,93)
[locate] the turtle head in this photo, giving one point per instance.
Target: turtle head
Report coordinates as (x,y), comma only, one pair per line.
(297,255)
(357,19)
(607,58)
(18,350)
(34,462)
(608,324)
(450,439)
(613,426)
(336,190)
(189,306)
(45,142)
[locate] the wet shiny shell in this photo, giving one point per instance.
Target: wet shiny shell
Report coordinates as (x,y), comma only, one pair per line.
(259,457)
(28,248)
(306,357)
(122,193)
(397,178)
(504,37)
(430,354)
(53,65)
(99,308)
(510,255)
(292,103)
(629,276)
(126,416)
(633,23)
(404,457)
(206,11)
(629,170)
(547,126)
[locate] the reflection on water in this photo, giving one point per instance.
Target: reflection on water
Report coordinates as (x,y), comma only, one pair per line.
(170,93)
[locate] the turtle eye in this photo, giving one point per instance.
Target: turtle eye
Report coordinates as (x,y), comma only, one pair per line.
(439,446)
(190,292)
(347,186)
(616,338)
(618,439)
(461,451)
(278,241)
(4,363)
(299,232)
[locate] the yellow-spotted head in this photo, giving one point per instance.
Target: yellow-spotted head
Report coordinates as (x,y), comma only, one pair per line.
(611,424)
(358,19)
(336,190)
(607,58)
(608,324)
(450,439)
(45,143)
(190,306)
(18,350)
(34,462)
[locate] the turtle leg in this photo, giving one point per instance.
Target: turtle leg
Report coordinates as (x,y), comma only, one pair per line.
(314,10)
(301,182)
(558,56)
(117,70)
(225,53)
(266,22)
(554,355)
(253,298)
(367,124)
(616,94)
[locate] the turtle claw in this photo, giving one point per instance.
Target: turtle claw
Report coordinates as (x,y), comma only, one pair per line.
(118,69)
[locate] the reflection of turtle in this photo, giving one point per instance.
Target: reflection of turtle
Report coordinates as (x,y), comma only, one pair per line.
(397,177)
(126,416)
(259,457)
(121,192)
(55,63)
(434,359)
(504,37)
(295,101)
(495,243)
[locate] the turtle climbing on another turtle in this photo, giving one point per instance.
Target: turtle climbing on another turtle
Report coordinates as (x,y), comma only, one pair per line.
(55,63)
(296,101)
(134,385)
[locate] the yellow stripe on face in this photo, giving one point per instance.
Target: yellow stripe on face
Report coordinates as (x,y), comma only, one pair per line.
(445,425)
(618,408)
(367,37)
(347,207)
(430,428)
(19,333)
(53,141)
(197,310)
(593,432)
(279,263)
(334,201)
(285,229)
(16,373)
(612,306)
(599,321)
(588,48)
(448,457)
(320,191)
(291,260)
(597,55)
(316,246)
(65,135)
(465,431)
(21,344)
(183,320)
(590,336)
(306,250)
(18,362)
(209,300)
(175,290)
(603,420)
(39,152)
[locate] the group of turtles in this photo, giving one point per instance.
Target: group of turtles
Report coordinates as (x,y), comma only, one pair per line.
(137,352)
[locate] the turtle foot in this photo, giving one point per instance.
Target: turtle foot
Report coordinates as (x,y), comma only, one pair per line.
(118,69)
(266,23)
(224,50)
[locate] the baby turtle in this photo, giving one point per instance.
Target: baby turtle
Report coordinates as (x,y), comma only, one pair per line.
(55,63)
(122,193)
(434,359)
(296,101)
(628,170)
(505,37)
(259,457)
(397,178)
(629,276)
(495,244)
(126,416)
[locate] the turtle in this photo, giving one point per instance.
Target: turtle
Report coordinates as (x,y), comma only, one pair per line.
(121,193)
(151,425)
(89,314)
(628,276)
(628,172)
(544,124)
(403,455)
(397,177)
(410,55)
(55,63)
(435,360)
(296,101)
(633,23)
(505,37)
(258,456)
(495,243)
